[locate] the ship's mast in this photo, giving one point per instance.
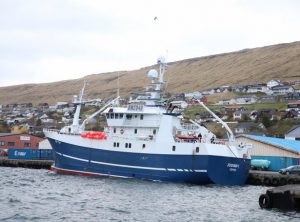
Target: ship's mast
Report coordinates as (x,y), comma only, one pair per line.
(78,101)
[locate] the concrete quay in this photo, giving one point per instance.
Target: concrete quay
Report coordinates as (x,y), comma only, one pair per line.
(268,178)
(35,164)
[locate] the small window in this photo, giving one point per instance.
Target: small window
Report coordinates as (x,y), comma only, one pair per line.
(111,115)
(10,143)
(121,115)
(144,145)
(118,144)
(115,144)
(129,145)
(142,117)
(154,131)
(197,149)
(128,116)
(27,144)
(173,148)
(126,145)
(116,116)
(115,130)
(107,115)
(135,131)
(135,116)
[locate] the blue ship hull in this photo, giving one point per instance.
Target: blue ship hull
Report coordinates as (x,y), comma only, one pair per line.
(198,169)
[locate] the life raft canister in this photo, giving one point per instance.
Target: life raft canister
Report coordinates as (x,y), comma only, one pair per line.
(94,135)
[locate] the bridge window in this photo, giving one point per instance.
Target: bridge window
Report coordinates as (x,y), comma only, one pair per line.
(121,115)
(116,116)
(107,115)
(142,117)
(111,115)
(173,148)
(128,116)
(135,131)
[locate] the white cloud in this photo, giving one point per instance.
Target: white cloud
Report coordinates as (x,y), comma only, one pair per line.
(51,40)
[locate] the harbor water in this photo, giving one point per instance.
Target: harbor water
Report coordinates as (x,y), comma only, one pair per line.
(41,195)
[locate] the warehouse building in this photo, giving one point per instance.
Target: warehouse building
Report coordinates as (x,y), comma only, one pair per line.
(10,141)
(281,152)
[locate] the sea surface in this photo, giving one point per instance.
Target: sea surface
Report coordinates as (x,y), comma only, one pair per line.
(42,195)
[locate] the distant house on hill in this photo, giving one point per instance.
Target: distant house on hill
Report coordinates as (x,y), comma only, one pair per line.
(273,83)
(268,99)
(246,99)
(232,109)
(282,90)
(293,133)
(273,114)
(208,91)
(195,95)
(249,127)
(239,89)
(293,106)
(293,96)
(238,115)
(257,88)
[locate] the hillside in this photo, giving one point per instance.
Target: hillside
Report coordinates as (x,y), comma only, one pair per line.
(242,67)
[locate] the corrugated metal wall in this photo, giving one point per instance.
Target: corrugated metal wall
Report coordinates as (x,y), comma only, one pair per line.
(278,162)
(280,158)
(263,149)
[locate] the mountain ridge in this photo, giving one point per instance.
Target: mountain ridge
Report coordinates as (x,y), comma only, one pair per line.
(246,66)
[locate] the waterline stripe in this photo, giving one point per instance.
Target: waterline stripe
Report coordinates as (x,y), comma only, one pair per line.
(87,172)
(134,167)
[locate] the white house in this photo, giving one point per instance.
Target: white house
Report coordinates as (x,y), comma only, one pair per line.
(257,88)
(208,91)
(282,90)
(195,95)
(246,100)
(238,115)
(273,83)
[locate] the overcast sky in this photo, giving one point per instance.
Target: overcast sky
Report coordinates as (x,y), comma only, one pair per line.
(52,40)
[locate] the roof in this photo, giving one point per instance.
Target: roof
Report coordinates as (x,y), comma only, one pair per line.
(293,145)
(294,131)
(294,103)
(5,134)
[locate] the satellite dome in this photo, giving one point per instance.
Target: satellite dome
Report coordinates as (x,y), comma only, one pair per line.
(152,74)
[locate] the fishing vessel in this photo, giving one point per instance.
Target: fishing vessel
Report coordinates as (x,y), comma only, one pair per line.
(150,139)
